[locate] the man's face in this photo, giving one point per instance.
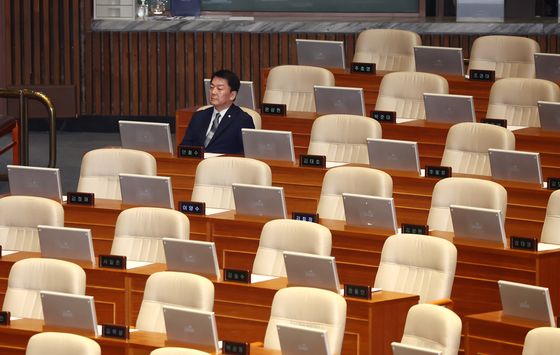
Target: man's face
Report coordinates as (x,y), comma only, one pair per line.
(221,95)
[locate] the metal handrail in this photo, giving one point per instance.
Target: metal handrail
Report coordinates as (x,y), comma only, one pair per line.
(24,95)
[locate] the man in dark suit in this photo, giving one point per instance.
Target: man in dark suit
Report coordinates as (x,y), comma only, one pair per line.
(218,128)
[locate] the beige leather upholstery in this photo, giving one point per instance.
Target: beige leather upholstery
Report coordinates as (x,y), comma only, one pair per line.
(254,115)
(417,264)
(351,179)
(292,85)
(551,224)
(281,235)
(214,176)
(30,276)
(139,232)
(100,170)
(306,306)
(390,50)
(461,191)
(177,351)
(467,144)
(542,341)
(509,56)
(403,93)
(50,343)
(515,100)
(170,288)
(433,327)
(20,216)
(343,137)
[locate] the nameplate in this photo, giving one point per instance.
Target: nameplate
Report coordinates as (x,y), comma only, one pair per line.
(495,122)
(523,243)
(312,161)
(273,109)
(553,183)
(367,68)
(414,228)
(112,261)
(241,276)
(357,291)
(115,331)
(191,207)
(188,151)
(80,198)
(231,347)
(438,172)
(4,318)
(482,75)
(306,217)
(384,116)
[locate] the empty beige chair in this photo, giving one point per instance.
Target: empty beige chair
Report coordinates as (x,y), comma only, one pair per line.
(139,232)
(389,49)
(508,56)
(417,264)
(343,138)
(20,216)
(551,225)
(213,179)
(306,306)
(433,327)
(50,343)
(254,115)
(169,288)
(281,235)
(467,144)
(100,170)
(403,93)
(177,351)
(30,276)
(466,192)
(515,100)
(542,341)
(292,85)
(351,179)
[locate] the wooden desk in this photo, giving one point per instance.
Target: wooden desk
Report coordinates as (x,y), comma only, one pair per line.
(497,334)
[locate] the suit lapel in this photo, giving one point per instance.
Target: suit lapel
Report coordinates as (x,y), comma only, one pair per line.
(224,123)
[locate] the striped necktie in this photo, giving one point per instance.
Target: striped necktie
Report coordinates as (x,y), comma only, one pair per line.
(213,129)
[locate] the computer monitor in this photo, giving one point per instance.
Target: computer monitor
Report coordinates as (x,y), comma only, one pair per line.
(147,136)
(268,144)
(478,223)
(370,211)
(319,53)
(311,270)
(301,340)
(393,154)
(515,165)
(405,349)
(439,60)
(190,326)
(526,301)
(549,115)
(547,66)
(245,96)
(64,310)
(445,108)
(66,243)
(146,190)
(337,99)
(192,256)
(258,200)
(35,181)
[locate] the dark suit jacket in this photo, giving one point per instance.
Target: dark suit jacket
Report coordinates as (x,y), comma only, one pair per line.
(227,139)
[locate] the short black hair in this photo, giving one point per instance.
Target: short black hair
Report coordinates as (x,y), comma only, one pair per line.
(231,78)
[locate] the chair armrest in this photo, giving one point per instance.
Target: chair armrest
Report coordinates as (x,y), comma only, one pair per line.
(446,302)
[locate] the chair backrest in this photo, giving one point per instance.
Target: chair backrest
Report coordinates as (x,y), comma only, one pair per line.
(403,93)
(467,144)
(459,191)
(281,235)
(170,288)
(390,50)
(542,341)
(509,56)
(100,170)
(433,327)
(343,137)
(20,216)
(549,233)
(61,344)
(292,85)
(308,306)
(254,115)
(515,100)
(417,264)
(139,232)
(28,277)
(213,179)
(177,351)
(351,179)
